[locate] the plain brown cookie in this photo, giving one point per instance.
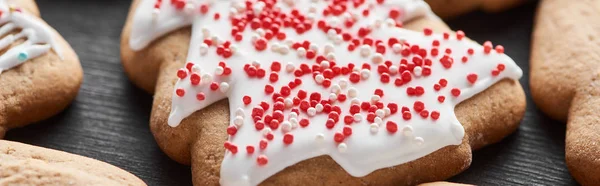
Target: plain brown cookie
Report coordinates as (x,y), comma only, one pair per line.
(198,140)
(22,164)
(41,87)
(564,78)
(453,8)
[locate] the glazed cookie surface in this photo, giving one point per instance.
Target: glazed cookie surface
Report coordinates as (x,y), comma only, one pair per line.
(565,77)
(453,8)
(39,72)
(289,122)
(22,164)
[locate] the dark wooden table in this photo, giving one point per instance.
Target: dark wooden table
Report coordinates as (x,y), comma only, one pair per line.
(109,119)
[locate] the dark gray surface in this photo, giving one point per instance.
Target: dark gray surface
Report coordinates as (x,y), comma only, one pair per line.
(109,119)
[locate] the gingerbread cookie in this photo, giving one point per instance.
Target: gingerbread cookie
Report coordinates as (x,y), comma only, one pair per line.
(565,76)
(319,92)
(453,8)
(22,164)
(39,72)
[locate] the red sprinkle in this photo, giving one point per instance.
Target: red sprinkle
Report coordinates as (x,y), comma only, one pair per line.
(391,127)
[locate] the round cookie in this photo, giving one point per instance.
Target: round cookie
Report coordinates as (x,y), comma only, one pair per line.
(155,59)
(453,8)
(564,79)
(22,164)
(40,73)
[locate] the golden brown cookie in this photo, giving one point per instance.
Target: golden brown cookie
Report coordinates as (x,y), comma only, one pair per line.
(453,8)
(40,73)
(205,138)
(564,78)
(22,164)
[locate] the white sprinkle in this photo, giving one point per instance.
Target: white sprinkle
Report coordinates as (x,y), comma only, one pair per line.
(407,131)
(375,98)
(289,67)
(266,131)
(377,58)
(311,111)
(320,137)
(286,126)
(293,120)
(319,107)
(328,48)
(224,87)
(260,32)
(288,42)
(301,52)
(331,56)
(205,32)
(397,48)
(203,49)
(419,140)
(255,63)
(332,97)
(378,120)
(358,117)
(417,71)
(393,70)
(355,101)
(338,39)
(288,102)
(254,37)
(313,47)
(319,78)
(293,115)
(343,83)
(196,69)
(233,48)
(342,147)
(189,8)
(239,112)
(294,124)
(390,22)
(284,49)
(207,78)
(374,128)
(238,121)
(378,23)
(356,69)
(325,64)
(219,71)
(275,47)
(335,89)
(331,33)
(365,74)
(352,92)
(380,113)
(365,50)
(387,111)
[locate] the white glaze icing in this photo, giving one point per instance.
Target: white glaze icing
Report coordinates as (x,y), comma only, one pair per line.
(38,35)
(369,147)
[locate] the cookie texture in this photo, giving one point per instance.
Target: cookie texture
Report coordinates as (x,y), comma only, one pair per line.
(453,8)
(22,164)
(564,78)
(198,140)
(442,183)
(40,87)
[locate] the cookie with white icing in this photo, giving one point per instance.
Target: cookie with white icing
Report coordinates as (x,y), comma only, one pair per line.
(565,77)
(361,92)
(39,72)
(453,8)
(22,164)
